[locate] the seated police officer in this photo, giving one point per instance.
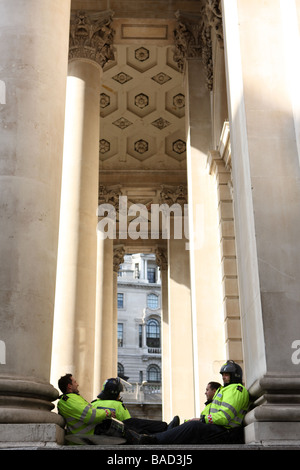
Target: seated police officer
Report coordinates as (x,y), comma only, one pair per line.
(222,420)
(110,399)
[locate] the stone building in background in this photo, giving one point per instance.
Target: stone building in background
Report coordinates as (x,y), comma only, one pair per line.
(139,334)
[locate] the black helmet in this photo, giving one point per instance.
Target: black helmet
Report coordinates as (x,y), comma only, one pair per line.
(235,371)
(111,389)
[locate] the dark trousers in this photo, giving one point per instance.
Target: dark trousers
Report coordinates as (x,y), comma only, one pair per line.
(145,426)
(195,432)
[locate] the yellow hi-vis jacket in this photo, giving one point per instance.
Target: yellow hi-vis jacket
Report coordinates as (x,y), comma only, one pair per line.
(228,407)
(113,405)
(80,415)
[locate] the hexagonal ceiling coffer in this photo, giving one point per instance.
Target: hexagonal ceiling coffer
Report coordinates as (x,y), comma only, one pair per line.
(175,102)
(175,146)
(107,148)
(141,58)
(141,102)
(141,147)
(108,103)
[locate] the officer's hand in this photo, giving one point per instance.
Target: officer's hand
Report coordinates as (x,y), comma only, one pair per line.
(113,414)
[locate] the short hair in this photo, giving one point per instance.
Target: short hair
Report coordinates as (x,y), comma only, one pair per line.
(64,382)
(214,385)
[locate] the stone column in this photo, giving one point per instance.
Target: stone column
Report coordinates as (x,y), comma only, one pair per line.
(32,82)
(162,263)
(180,337)
(73,338)
(118,259)
(194,57)
(266,175)
(105,310)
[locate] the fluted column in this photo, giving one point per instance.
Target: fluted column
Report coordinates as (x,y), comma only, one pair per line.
(32,81)
(73,338)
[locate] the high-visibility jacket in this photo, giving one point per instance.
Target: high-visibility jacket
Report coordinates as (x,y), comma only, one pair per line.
(113,405)
(228,407)
(79,414)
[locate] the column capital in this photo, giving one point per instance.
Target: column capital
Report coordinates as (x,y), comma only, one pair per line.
(118,257)
(109,195)
(161,258)
(173,195)
(193,36)
(91,36)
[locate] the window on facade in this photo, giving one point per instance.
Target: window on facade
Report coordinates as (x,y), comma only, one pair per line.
(120,300)
(153,373)
(120,335)
(136,271)
(152,301)
(153,334)
(151,274)
(140,336)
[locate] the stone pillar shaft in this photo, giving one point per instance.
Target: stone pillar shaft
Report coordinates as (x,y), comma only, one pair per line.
(182,393)
(33,81)
(204,244)
(265,167)
(73,343)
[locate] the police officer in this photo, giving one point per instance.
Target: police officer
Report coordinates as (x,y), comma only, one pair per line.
(110,399)
(222,420)
(82,419)
(80,416)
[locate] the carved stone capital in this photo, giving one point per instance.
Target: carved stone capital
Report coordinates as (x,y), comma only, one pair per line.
(118,257)
(193,36)
(173,195)
(91,36)
(109,195)
(161,258)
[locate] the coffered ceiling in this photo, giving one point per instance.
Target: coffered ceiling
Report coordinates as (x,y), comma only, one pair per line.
(142,110)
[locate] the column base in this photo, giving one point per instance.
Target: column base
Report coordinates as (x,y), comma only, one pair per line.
(31,435)
(273,434)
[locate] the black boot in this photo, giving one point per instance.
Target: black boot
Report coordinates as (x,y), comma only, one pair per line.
(174,423)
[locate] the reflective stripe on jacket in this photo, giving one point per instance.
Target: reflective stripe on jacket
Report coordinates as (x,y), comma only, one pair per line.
(113,405)
(79,414)
(229,406)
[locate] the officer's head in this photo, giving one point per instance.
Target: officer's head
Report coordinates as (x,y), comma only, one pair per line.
(234,370)
(111,389)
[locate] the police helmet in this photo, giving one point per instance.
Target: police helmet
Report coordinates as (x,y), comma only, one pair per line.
(235,371)
(111,389)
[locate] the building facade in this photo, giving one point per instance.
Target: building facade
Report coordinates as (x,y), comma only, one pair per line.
(139,334)
(169,128)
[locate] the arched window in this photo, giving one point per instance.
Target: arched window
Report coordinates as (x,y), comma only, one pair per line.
(153,373)
(153,333)
(152,301)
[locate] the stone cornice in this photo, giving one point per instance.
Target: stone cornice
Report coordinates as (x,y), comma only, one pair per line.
(91,36)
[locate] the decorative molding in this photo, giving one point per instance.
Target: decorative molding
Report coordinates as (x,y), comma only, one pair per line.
(91,36)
